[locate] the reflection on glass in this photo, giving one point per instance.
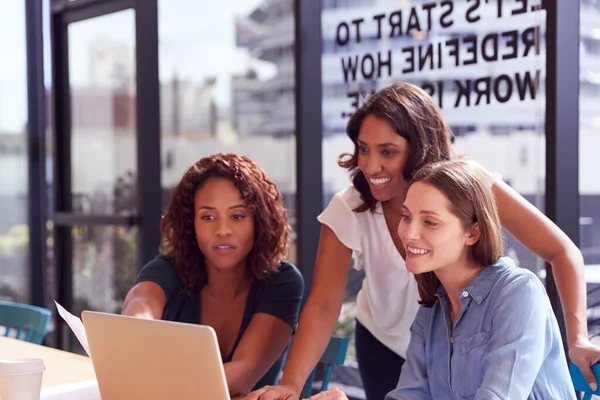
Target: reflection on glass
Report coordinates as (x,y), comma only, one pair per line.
(104,267)
(14,231)
(502,131)
(103,93)
(589,143)
(227,85)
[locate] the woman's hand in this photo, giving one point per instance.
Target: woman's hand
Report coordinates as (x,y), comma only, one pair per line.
(331,394)
(145,300)
(279,392)
(584,354)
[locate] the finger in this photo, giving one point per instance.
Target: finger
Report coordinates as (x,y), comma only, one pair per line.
(331,394)
(256,394)
(337,394)
(586,370)
(273,395)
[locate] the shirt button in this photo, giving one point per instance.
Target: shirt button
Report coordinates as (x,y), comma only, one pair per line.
(452,339)
(465,293)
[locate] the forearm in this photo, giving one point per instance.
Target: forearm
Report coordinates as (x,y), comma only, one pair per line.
(139,308)
(238,379)
(316,325)
(569,272)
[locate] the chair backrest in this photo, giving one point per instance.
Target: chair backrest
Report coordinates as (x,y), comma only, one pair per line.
(30,322)
(334,354)
(579,381)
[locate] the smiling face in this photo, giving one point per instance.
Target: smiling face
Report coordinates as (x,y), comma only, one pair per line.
(382,156)
(433,236)
(224,225)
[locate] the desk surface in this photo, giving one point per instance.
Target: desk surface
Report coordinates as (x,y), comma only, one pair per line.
(61,366)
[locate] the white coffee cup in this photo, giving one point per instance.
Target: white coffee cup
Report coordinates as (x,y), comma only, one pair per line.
(21,379)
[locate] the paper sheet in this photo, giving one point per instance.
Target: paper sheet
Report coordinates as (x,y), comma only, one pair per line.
(76,326)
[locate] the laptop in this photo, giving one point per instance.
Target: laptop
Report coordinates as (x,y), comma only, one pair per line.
(151,359)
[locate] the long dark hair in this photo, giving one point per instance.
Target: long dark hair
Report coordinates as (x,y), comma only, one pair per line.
(472,202)
(260,195)
(414,115)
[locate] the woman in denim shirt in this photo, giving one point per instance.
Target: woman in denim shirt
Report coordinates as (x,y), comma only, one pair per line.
(486,329)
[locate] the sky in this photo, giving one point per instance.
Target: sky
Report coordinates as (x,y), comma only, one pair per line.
(194,40)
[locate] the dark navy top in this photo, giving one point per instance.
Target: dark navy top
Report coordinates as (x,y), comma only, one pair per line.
(279,295)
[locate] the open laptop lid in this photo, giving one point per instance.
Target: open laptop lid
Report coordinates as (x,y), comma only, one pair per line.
(151,359)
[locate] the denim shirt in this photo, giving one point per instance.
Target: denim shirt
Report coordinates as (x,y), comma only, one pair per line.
(505,343)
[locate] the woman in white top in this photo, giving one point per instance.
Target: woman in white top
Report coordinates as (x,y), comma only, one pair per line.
(395,132)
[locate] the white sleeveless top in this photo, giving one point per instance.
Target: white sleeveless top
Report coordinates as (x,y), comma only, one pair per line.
(387,303)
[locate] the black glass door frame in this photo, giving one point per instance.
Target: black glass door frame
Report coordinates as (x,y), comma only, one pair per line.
(147,217)
(562,129)
(36,150)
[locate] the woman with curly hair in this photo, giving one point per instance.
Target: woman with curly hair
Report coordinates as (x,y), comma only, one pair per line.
(221,264)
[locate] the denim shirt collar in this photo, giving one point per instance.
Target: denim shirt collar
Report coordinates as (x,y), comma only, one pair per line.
(483,283)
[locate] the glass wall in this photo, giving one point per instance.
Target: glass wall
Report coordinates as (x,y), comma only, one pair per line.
(14,230)
(227,85)
(482,62)
(589,143)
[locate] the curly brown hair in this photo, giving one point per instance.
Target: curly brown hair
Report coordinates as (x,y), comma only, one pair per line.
(260,195)
(414,115)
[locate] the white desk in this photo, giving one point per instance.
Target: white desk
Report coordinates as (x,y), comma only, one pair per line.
(61,366)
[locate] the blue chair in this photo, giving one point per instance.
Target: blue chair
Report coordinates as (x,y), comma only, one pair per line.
(579,381)
(334,354)
(30,323)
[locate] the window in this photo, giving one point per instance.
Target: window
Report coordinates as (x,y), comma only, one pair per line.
(227,85)
(589,142)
